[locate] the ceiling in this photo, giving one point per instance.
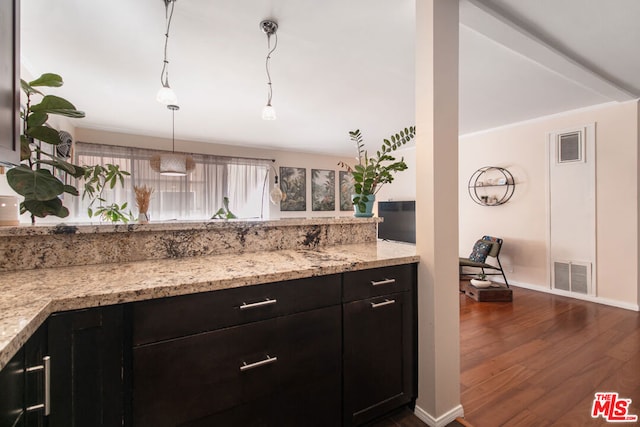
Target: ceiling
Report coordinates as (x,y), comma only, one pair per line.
(339,65)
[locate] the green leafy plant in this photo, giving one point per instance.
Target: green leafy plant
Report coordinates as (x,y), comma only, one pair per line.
(35,178)
(224,212)
(371,173)
(96,180)
(38,177)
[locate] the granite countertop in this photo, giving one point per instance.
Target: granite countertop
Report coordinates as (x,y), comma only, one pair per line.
(28,297)
(96,228)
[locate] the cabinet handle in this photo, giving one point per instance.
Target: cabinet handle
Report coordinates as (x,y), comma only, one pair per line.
(383,282)
(383,303)
(267,301)
(46,368)
(267,361)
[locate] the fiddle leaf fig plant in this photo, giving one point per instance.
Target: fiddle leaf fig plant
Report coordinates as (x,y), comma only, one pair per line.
(39,177)
(371,173)
(36,177)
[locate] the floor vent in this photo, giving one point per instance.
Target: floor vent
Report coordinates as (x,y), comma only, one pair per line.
(572,276)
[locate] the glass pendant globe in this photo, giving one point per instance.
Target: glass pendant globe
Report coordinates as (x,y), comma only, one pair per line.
(167,96)
(268,113)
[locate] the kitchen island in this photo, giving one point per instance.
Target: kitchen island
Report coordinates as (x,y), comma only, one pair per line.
(28,297)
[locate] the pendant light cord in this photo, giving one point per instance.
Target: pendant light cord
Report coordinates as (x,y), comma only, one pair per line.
(267,63)
(164,75)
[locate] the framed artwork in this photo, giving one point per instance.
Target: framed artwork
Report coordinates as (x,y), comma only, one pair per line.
(323,190)
(293,183)
(346,190)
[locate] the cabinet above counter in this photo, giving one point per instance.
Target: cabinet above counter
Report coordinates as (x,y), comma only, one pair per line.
(28,297)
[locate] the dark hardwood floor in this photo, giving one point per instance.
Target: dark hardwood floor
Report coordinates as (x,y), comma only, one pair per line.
(539,360)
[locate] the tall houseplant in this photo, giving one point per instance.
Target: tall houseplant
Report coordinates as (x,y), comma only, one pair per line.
(37,178)
(371,173)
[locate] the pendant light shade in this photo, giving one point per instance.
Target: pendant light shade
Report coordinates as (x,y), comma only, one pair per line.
(167,96)
(172,164)
(268,113)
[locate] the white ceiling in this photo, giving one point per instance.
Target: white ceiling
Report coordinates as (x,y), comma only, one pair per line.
(339,65)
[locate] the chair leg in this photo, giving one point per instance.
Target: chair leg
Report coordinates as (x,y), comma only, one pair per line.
(502,271)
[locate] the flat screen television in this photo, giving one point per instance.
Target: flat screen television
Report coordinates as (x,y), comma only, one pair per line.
(399,221)
(9,82)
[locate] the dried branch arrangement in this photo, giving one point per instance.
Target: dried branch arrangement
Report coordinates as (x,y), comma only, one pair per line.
(143,196)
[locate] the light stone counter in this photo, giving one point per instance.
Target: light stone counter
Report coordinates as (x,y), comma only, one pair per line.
(41,246)
(28,297)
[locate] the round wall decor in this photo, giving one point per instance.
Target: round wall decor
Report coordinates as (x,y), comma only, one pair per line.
(491,186)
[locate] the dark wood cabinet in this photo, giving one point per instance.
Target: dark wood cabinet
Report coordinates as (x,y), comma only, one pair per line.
(22,384)
(86,350)
(280,366)
(379,342)
(12,392)
(322,351)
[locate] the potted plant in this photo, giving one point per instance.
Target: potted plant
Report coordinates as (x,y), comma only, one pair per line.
(39,177)
(481,281)
(371,173)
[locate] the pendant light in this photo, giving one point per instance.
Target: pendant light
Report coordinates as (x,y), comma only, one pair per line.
(270,28)
(172,164)
(166,95)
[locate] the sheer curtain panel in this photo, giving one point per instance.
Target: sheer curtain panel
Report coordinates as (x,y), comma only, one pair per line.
(195,196)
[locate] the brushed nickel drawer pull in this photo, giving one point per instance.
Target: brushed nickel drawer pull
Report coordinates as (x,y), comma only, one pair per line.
(46,368)
(267,301)
(267,361)
(383,282)
(383,303)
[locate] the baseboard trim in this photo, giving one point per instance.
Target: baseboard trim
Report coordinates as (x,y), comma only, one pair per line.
(442,420)
(589,298)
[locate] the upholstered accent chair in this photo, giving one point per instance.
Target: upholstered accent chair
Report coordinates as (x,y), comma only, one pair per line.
(476,263)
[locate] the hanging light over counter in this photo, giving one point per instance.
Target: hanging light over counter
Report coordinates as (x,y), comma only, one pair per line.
(270,28)
(166,95)
(172,164)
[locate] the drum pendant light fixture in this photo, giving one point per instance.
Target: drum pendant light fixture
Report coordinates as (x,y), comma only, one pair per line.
(166,95)
(172,164)
(270,28)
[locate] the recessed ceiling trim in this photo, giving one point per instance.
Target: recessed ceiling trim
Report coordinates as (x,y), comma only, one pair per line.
(484,20)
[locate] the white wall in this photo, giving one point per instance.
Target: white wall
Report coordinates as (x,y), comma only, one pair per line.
(403,186)
(283,158)
(522,222)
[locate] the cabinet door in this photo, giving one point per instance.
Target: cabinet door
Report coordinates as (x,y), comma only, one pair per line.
(244,375)
(379,355)
(35,394)
(86,349)
(12,392)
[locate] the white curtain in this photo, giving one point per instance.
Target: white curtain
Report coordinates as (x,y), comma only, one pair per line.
(196,196)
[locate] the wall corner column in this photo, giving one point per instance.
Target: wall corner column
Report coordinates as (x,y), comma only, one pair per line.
(437,210)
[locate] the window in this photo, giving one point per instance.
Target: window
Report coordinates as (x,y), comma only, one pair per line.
(196,196)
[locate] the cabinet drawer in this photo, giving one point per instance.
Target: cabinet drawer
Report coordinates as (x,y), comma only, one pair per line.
(174,317)
(379,281)
(188,379)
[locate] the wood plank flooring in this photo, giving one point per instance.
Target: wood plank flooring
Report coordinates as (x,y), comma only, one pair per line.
(539,360)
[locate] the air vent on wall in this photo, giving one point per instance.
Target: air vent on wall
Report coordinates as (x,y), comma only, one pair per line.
(570,147)
(572,276)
